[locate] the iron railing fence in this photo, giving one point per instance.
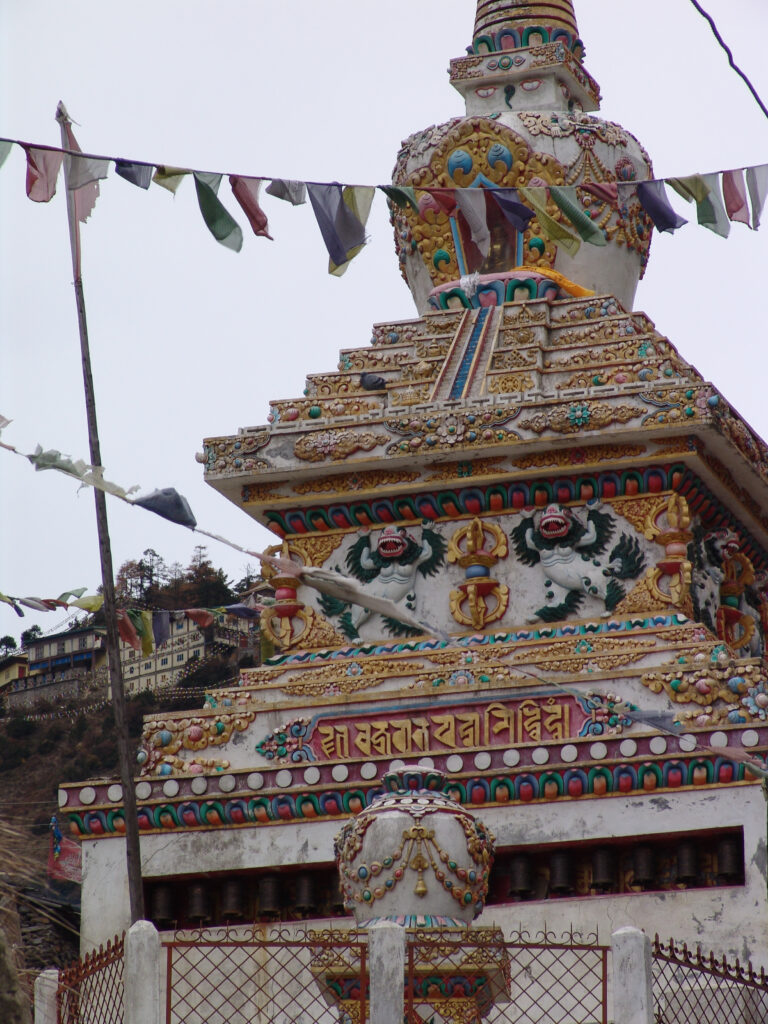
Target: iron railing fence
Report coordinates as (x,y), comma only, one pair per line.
(691,987)
(544,978)
(291,976)
(90,990)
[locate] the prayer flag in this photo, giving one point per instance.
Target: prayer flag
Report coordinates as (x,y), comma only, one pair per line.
(515,212)
(401,195)
(161,627)
(89,603)
(52,459)
(735,196)
(169,177)
(200,616)
(359,199)
(4,421)
(242,611)
(147,634)
(471,204)
(653,199)
(703,189)
(536,198)
(83,170)
(137,174)
(340,228)
(294,192)
(246,192)
(606,190)
(168,504)
(37,604)
(757,183)
(42,170)
(9,600)
(566,198)
(5,149)
(126,629)
(71,593)
(219,221)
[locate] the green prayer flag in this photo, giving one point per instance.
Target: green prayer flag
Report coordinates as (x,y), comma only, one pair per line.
(71,593)
(704,190)
(5,149)
(567,200)
(401,195)
(219,221)
(535,198)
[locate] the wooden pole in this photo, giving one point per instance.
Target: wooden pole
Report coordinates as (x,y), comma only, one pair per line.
(132,851)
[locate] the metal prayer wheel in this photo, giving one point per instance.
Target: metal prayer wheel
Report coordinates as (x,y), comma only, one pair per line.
(687,863)
(603,869)
(198,905)
(161,905)
(233,904)
(269,896)
(643,873)
(729,860)
(521,875)
(335,895)
(304,901)
(561,873)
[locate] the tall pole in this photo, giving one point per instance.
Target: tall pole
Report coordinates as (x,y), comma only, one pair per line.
(132,851)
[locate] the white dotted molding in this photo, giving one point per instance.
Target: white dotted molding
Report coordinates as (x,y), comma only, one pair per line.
(199,785)
(255,780)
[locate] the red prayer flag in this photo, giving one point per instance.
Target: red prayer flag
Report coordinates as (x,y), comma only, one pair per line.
(42,170)
(127,630)
(200,616)
(246,192)
(68,866)
(735,196)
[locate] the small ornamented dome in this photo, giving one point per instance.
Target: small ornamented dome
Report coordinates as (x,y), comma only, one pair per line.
(415,854)
(528,99)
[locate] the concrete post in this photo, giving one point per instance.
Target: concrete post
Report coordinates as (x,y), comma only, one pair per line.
(386,970)
(632,977)
(46,984)
(142,974)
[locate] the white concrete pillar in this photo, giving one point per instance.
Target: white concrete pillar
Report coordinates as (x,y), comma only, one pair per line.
(632,977)
(46,984)
(142,973)
(386,970)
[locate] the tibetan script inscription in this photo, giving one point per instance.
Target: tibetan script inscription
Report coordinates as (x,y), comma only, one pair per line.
(444,729)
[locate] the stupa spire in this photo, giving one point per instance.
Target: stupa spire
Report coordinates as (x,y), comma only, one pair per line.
(510,24)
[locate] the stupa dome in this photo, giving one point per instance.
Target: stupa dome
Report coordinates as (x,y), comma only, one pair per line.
(528,123)
(415,854)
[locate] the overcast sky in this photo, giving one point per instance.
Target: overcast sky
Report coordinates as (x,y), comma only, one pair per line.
(190,340)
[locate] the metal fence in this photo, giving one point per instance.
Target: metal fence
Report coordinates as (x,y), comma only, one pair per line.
(293,976)
(690,987)
(90,991)
(541,979)
(237,976)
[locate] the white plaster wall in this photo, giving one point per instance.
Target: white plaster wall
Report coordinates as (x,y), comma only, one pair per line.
(730,920)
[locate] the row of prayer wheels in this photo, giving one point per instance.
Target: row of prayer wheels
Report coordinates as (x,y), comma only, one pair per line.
(641,863)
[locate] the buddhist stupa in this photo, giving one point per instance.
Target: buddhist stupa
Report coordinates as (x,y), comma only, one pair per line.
(550,544)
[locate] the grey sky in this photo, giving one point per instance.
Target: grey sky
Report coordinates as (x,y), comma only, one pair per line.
(190,340)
